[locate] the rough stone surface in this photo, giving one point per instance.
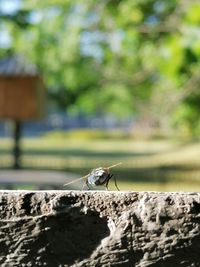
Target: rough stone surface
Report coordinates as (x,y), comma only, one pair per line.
(81,228)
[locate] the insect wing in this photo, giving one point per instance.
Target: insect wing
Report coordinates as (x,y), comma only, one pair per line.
(76,180)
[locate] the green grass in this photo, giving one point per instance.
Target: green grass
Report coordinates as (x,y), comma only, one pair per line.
(161,165)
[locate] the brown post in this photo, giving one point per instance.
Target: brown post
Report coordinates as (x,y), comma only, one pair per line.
(16,148)
(22,96)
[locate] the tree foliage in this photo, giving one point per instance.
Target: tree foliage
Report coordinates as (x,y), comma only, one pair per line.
(129,57)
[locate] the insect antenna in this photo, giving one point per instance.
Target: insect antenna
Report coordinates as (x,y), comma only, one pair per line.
(76,180)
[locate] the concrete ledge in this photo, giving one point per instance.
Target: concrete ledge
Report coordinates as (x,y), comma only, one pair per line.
(81,228)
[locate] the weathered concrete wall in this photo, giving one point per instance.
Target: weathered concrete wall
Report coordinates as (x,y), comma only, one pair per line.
(65,228)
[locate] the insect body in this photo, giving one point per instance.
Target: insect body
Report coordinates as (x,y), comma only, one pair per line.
(99,176)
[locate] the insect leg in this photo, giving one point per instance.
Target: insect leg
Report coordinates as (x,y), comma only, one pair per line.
(83,185)
(107,186)
(86,183)
(115,182)
(108,179)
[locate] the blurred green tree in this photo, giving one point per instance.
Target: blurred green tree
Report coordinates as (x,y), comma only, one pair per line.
(128,57)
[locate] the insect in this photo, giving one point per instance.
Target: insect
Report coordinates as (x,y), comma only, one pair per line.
(98,176)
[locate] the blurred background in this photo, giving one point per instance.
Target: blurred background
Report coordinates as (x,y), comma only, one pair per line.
(85,84)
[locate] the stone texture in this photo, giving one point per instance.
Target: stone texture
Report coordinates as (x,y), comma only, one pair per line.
(97,228)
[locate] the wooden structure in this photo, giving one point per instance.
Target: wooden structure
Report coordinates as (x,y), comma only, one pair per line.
(21,95)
